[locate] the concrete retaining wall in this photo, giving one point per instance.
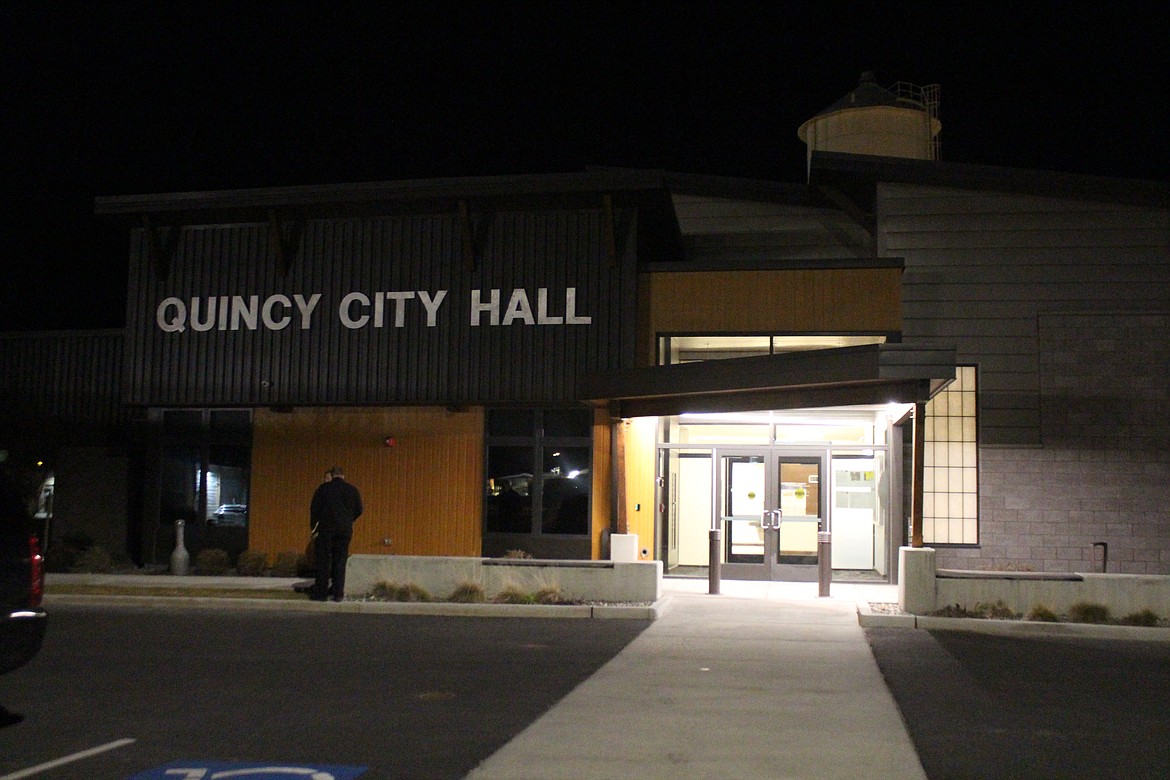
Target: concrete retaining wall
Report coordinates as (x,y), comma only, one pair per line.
(924,589)
(1124,594)
(616,581)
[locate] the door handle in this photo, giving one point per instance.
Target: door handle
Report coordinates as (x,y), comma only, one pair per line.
(771,518)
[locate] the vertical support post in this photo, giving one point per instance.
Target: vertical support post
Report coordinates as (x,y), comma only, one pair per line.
(919,472)
(619,467)
(713,562)
(824,562)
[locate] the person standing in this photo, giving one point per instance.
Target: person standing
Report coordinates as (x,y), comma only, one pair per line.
(336,505)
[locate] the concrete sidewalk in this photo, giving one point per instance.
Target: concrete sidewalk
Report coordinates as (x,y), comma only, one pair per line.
(763,681)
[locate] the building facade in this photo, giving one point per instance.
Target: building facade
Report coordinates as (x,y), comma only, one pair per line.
(899,351)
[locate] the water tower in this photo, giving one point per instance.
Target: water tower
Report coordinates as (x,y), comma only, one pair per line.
(899,121)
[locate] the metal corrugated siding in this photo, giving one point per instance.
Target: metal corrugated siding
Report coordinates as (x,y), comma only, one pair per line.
(67,381)
(333,365)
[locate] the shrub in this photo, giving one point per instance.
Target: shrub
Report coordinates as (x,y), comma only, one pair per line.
(468,593)
(517,554)
(212,561)
(1145,617)
(251,563)
(64,555)
(514,594)
(1043,614)
(996,611)
(393,591)
(549,594)
(287,564)
(955,611)
(1088,612)
(93,560)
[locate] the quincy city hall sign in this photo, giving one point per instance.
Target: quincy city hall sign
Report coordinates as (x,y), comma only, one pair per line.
(358,310)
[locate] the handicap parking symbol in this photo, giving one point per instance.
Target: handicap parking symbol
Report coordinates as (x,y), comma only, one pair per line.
(203,770)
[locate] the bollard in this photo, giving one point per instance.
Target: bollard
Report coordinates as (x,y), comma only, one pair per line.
(824,562)
(713,563)
(180,559)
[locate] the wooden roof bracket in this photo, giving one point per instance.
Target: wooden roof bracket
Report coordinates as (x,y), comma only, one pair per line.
(473,231)
(615,229)
(161,243)
(284,237)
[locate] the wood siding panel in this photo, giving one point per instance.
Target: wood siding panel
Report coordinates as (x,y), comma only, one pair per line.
(982,267)
(601,500)
(864,300)
(641,438)
(424,494)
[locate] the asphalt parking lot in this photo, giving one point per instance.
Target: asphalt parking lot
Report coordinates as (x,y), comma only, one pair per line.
(985,707)
(416,697)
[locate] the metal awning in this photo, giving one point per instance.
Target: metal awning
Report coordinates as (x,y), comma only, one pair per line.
(846,376)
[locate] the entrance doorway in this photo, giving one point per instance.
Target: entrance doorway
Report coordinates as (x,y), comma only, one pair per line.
(767,482)
(769,512)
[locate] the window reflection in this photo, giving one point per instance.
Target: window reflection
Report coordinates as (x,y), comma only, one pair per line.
(565,491)
(508,504)
(538,475)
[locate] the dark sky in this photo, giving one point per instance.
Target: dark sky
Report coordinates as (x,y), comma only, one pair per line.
(120,98)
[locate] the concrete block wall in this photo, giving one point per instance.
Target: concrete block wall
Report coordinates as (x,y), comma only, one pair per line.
(1102,472)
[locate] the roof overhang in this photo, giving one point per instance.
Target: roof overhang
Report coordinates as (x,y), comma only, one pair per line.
(848,376)
(658,234)
(851,181)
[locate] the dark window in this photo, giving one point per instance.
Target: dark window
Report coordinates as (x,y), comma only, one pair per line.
(204,479)
(235,421)
(538,478)
(568,422)
(565,491)
(178,421)
(508,504)
(510,422)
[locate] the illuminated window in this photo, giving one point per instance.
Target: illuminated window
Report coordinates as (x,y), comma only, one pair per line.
(690,349)
(950,482)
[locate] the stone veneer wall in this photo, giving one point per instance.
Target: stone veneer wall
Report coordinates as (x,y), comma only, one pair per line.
(1102,473)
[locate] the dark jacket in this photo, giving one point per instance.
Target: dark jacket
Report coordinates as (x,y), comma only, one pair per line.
(336,504)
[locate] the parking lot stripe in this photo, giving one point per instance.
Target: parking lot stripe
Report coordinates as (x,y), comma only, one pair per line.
(33,770)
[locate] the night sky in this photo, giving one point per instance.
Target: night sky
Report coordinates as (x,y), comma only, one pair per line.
(118,98)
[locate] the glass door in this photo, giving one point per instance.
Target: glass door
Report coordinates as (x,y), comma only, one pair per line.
(744,500)
(770,511)
(800,507)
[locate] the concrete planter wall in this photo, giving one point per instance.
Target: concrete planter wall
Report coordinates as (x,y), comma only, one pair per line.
(616,581)
(923,588)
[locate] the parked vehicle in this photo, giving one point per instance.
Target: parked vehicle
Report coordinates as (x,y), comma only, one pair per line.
(230,514)
(22,581)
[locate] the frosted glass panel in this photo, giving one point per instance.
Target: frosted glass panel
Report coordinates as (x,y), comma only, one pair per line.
(951,475)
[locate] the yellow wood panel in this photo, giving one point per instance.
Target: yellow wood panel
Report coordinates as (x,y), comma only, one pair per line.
(800,301)
(423,494)
(602,499)
(641,434)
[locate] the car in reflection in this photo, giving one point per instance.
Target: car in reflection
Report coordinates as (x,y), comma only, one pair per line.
(231,514)
(22,582)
